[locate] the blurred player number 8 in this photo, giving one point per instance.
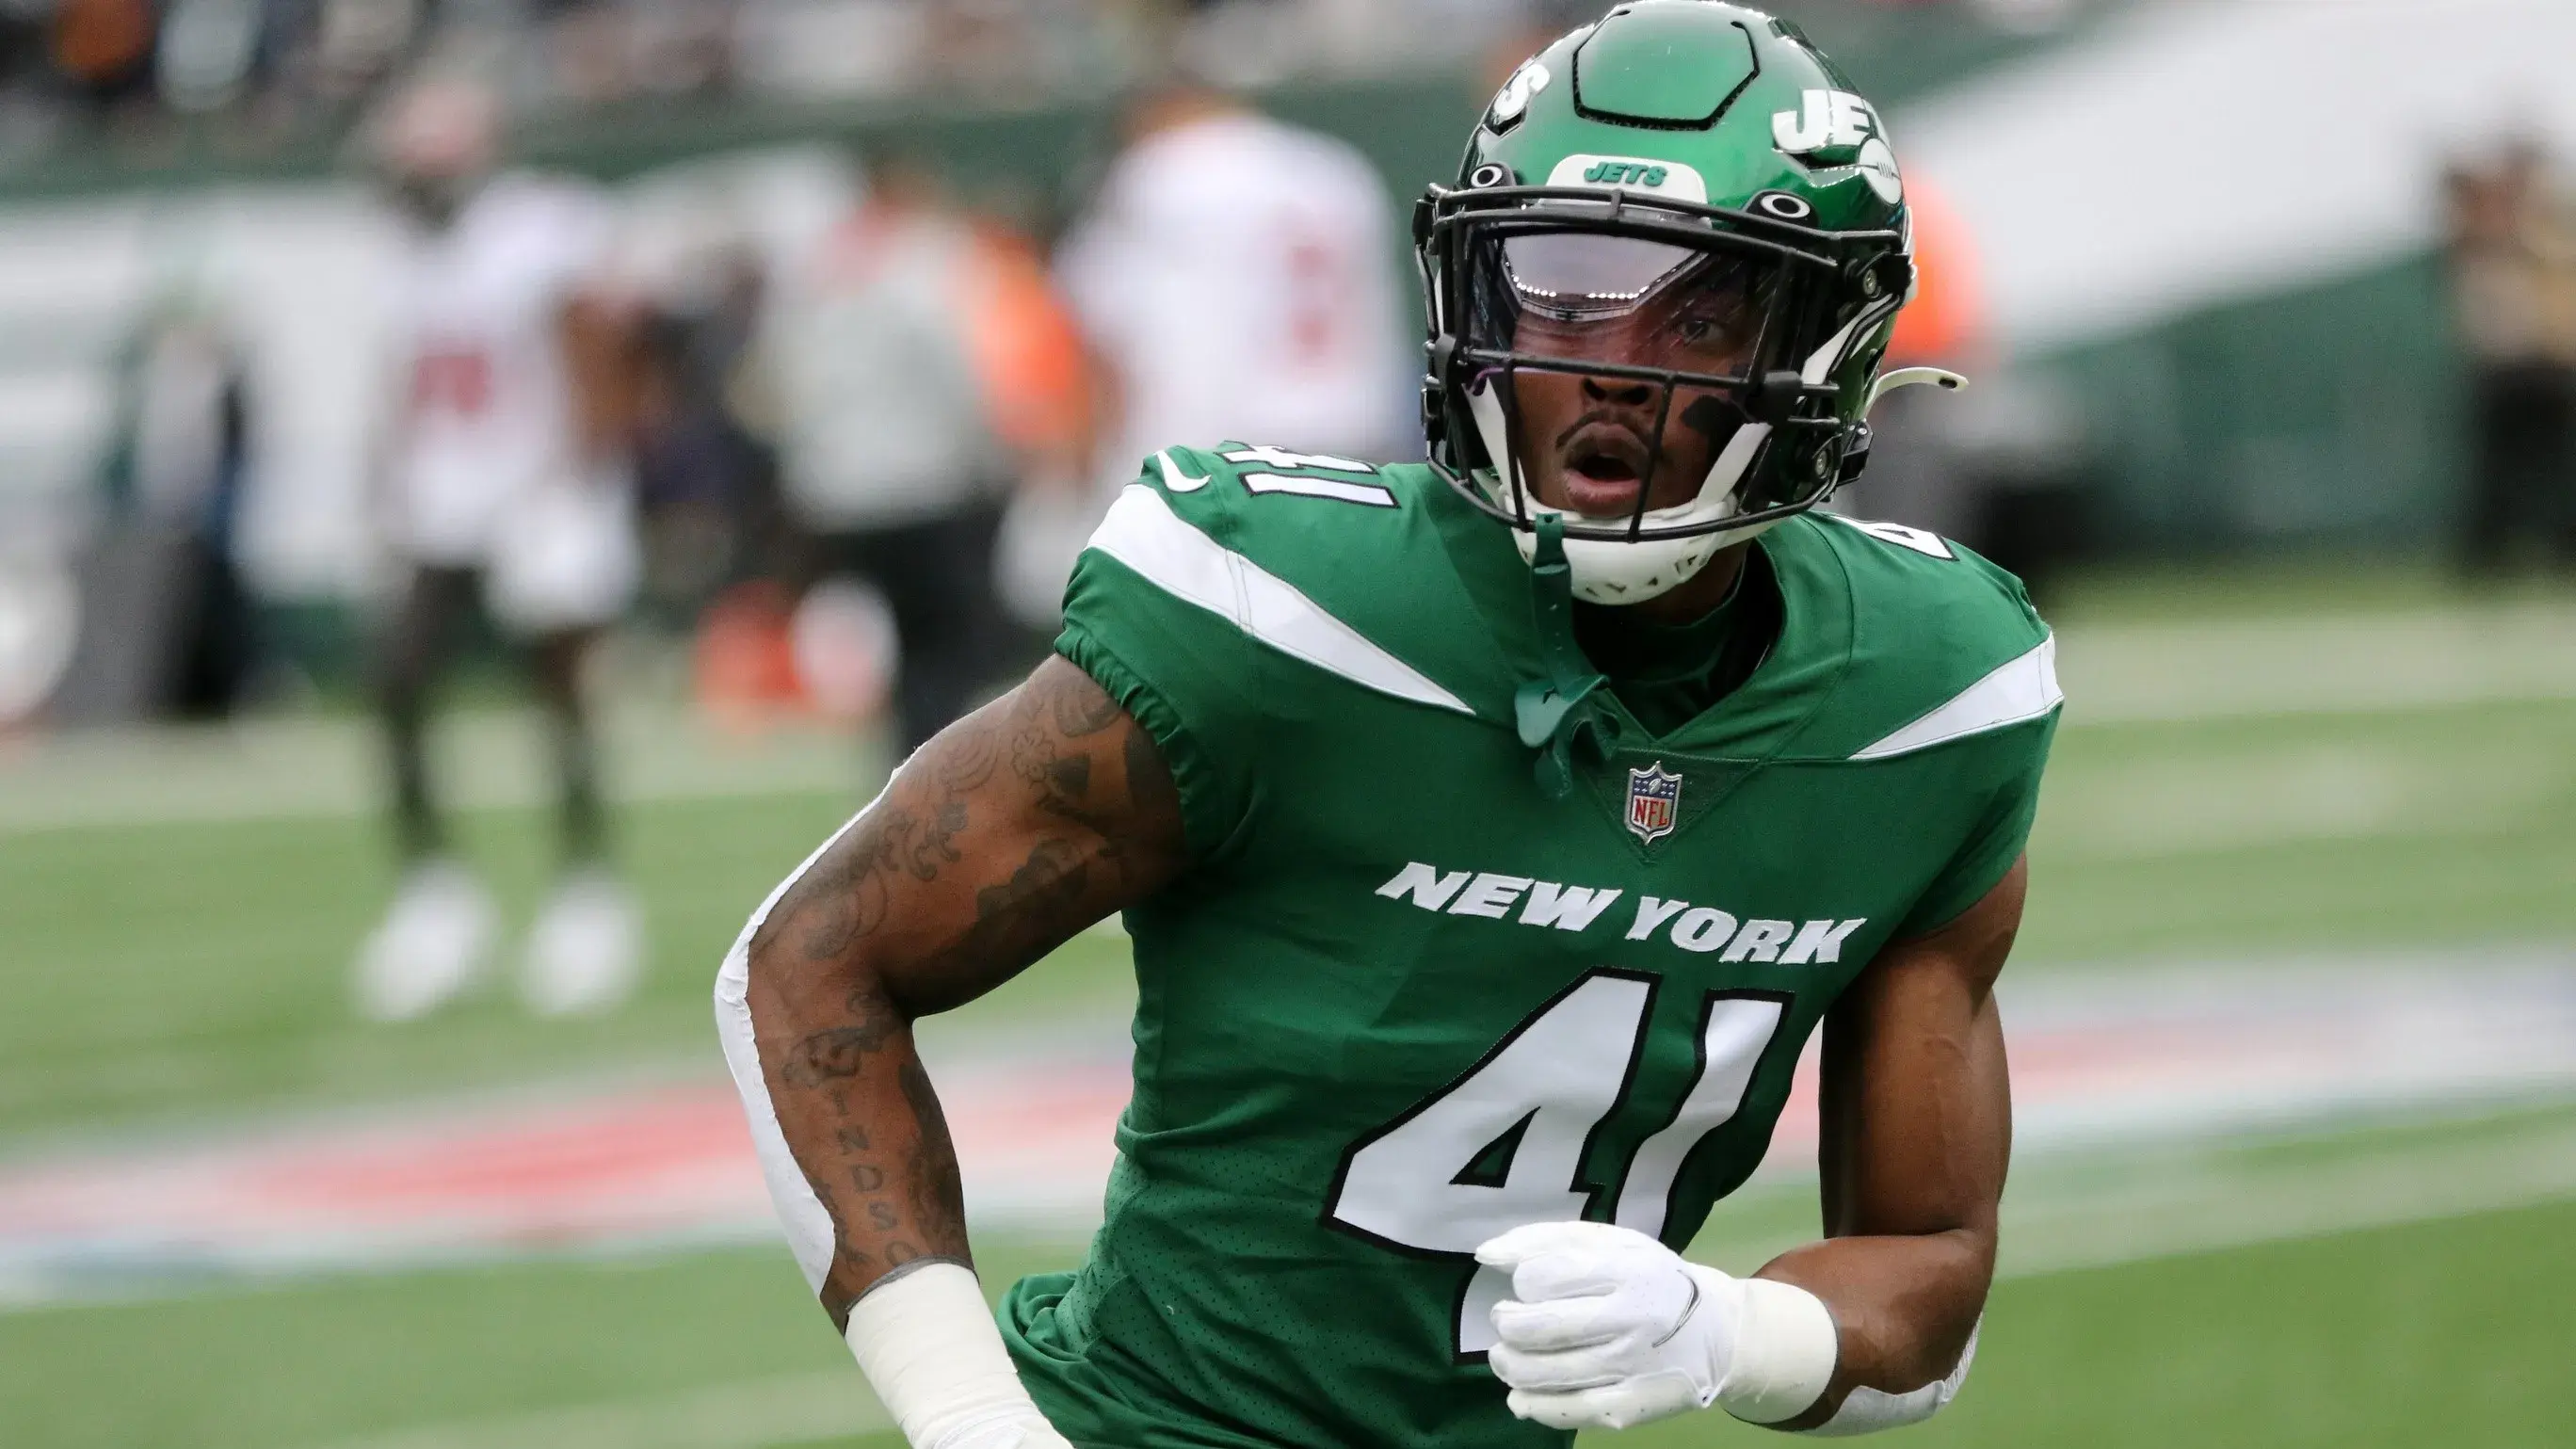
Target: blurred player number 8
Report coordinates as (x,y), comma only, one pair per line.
(453,380)
(1321,293)
(1504,1144)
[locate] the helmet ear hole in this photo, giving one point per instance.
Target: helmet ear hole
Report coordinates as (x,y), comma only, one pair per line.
(1784,206)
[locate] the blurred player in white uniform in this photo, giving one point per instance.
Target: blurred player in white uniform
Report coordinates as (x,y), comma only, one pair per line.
(1237,278)
(505,485)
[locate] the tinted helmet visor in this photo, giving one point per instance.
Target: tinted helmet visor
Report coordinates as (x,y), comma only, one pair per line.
(1665,337)
(1722,337)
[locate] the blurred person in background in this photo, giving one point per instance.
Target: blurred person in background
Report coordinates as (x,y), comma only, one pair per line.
(506,485)
(1236,277)
(892,465)
(706,482)
(1915,477)
(1038,373)
(2513,271)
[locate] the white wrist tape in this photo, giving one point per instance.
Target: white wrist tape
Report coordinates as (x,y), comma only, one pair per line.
(1866,1411)
(1785,1351)
(928,1346)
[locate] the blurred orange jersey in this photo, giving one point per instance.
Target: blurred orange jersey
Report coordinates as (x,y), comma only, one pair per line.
(1945,324)
(1028,349)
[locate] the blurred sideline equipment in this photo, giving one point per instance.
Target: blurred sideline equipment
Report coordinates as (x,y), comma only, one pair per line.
(2513,269)
(165,623)
(893,464)
(506,485)
(40,623)
(1307,711)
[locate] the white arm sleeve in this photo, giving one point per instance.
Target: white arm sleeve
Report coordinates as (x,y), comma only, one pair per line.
(1866,1411)
(922,1336)
(800,1213)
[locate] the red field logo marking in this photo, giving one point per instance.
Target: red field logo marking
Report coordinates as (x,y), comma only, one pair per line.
(2154,1055)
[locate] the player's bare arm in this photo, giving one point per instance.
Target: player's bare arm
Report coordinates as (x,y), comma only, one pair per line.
(602,358)
(1917,1129)
(1869,1328)
(1014,829)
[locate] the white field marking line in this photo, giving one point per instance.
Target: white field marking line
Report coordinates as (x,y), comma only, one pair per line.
(316,767)
(2104,1060)
(2108,1207)
(752,1414)
(2336,663)
(313,767)
(2313,788)
(2064,1228)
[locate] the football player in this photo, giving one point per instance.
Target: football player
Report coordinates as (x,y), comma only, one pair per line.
(505,486)
(1492,833)
(1237,274)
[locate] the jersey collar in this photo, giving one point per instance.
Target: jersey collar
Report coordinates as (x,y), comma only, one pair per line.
(1751,725)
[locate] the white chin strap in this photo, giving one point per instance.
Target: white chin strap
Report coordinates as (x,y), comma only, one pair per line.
(1606,571)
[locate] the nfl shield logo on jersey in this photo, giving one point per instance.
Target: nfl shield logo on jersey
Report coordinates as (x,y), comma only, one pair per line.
(1654,797)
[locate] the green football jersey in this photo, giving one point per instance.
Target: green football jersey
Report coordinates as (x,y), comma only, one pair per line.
(1412,992)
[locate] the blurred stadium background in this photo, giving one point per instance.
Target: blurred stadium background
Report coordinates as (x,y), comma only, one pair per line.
(2294,1013)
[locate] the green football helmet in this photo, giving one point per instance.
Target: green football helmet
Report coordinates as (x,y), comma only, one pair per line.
(1703,159)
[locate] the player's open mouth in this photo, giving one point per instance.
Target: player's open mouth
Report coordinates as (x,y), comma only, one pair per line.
(1604,467)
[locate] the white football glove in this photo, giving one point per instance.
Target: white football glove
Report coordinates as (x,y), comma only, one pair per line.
(1607,1328)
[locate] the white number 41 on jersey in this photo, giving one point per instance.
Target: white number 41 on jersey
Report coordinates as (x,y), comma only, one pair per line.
(1546,1086)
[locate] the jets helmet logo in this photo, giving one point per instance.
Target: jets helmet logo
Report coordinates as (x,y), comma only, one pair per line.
(1654,799)
(1843,123)
(1514,100)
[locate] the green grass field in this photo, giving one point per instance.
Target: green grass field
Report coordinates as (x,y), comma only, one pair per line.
(154,974)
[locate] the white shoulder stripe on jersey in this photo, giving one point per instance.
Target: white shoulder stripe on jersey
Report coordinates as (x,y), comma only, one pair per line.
(1143,533)
(2022,690)
(1340,488)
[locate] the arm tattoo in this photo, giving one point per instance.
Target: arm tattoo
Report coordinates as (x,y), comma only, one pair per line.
(1082,712)
(1010,832)
(937,1193)
(844,898)
(835,1055)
